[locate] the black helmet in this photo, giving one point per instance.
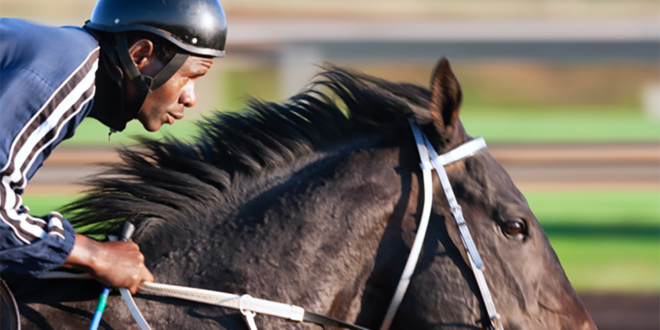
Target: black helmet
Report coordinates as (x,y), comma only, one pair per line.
(197,26)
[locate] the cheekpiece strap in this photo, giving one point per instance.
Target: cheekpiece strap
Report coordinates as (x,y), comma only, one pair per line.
(429,159)
(465,150)
(144,84)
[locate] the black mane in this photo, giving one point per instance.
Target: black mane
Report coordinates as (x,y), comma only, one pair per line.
(169,180)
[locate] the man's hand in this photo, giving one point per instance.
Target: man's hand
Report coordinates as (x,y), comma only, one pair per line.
(115,264)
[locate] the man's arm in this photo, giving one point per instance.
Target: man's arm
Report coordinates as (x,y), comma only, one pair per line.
(31,245)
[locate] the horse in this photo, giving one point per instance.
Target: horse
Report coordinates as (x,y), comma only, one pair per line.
(315,202)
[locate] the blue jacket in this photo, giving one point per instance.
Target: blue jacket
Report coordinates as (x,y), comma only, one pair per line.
(47,83)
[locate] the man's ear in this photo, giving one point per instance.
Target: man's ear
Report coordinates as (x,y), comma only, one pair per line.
(446,97)
(141,52)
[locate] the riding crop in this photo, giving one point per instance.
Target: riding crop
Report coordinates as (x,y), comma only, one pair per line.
(127,231)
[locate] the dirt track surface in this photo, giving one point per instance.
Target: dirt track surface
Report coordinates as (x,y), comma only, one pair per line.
(624,311)
(537,167)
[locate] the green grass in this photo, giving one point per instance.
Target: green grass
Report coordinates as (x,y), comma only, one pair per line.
(596,208)
(606,241)
(42,205)
(91,132)
(560,125)
(610,264)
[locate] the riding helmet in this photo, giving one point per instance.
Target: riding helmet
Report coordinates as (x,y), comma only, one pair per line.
(197,26)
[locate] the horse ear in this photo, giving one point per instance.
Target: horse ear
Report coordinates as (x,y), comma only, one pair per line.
(446,97)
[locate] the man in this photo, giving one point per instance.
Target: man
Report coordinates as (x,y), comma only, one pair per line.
(132,60)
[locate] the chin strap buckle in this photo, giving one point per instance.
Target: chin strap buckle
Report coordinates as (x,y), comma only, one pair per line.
(112,130)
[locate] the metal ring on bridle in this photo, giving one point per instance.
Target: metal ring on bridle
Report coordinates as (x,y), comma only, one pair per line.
(240,303)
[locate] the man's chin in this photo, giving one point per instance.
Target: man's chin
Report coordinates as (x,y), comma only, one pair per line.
(151,127)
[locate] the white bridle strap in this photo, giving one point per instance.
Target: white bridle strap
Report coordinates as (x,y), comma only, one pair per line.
(476,264)
(135,311)
(416,249)
(429,159)
(465,150)
(493,316)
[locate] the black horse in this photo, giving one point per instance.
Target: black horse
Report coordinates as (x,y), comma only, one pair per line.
(316,202)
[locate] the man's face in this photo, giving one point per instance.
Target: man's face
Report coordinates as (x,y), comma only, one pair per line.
(167,103)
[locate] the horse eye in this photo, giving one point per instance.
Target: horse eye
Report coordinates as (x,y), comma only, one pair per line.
(514,227)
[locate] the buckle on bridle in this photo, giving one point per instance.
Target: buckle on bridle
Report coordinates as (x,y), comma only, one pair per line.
(496,322)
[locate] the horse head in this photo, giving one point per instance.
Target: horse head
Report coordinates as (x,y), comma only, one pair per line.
(527,283)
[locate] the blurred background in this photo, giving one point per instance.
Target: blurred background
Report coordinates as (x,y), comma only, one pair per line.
(566,92)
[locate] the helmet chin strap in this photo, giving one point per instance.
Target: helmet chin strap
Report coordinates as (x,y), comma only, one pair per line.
(144,84)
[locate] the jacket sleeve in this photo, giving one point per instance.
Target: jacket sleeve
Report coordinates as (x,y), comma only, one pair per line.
(28,244)
(32,245)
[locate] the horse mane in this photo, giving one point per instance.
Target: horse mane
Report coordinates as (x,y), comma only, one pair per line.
(169,180)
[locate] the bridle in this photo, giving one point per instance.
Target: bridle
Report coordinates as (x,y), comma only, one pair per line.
(430,160)
(249,306)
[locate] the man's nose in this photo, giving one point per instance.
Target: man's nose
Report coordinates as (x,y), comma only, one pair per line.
(188,97)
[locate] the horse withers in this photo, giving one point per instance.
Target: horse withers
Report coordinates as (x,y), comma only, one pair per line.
(316,202)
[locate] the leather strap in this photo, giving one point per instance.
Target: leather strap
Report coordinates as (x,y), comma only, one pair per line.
(465,150)
(416,248)
(9,316)
(135,311)
(323,321)
(474,259)
(144,84)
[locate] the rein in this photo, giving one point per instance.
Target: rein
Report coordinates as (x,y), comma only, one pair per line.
(249,306)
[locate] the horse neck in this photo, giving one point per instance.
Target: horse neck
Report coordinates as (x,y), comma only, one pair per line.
(353,211)
(311,240)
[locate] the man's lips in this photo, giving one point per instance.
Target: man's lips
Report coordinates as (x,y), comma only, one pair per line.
(172,116)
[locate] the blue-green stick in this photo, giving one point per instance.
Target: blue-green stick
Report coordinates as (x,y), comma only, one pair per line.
(126,233)
(99,309)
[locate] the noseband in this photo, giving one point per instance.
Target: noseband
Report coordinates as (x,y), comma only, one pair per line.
(429,161)
(248,306)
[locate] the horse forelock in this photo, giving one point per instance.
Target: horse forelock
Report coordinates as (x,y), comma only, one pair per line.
(168,180)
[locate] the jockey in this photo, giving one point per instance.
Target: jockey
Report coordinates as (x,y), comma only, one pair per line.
(131,60)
